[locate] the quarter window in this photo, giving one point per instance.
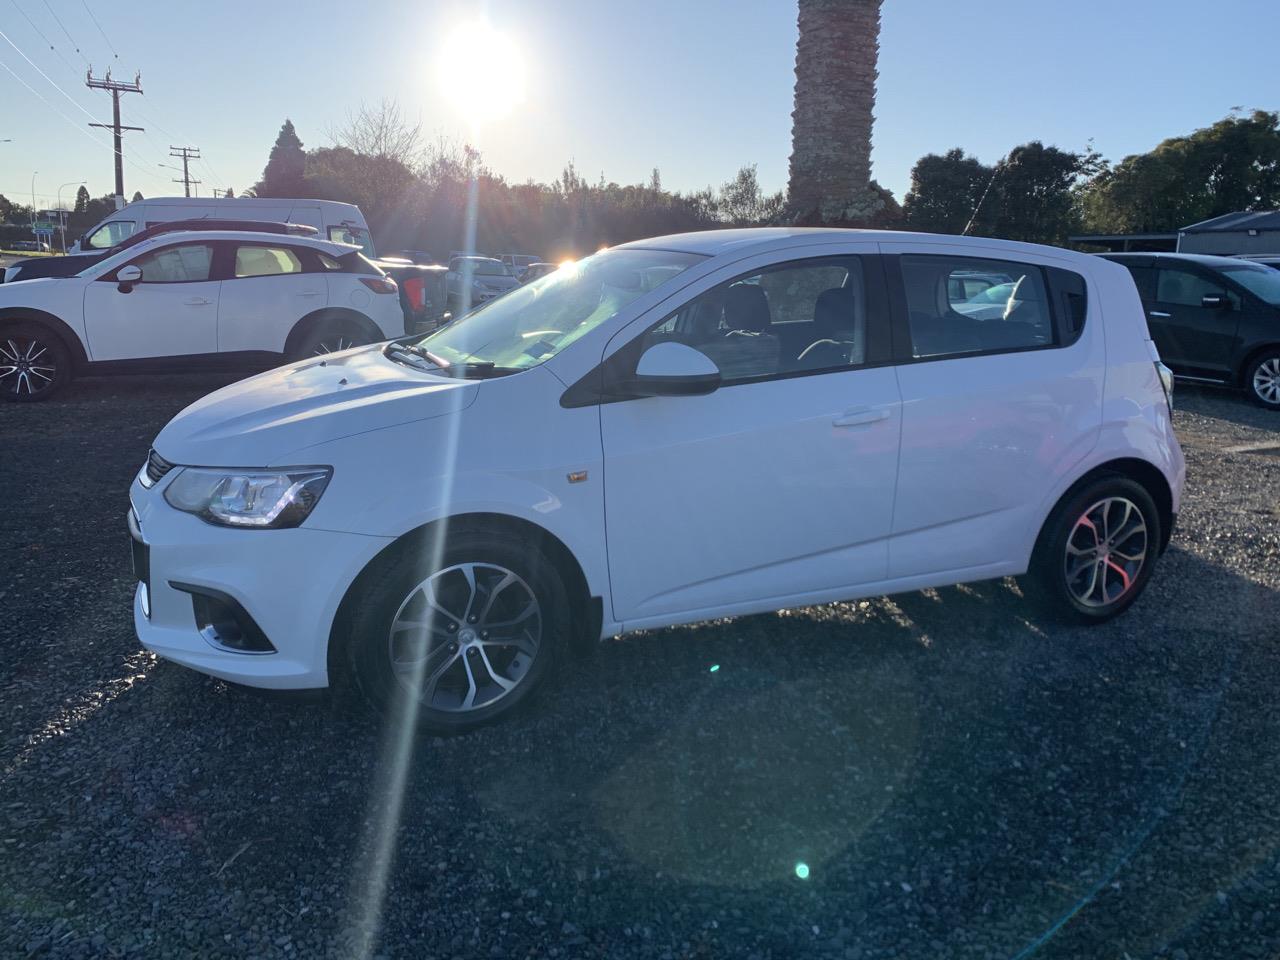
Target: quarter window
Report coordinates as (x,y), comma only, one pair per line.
(803,316)
(958,305)
(266,261)
(109,234)
(187,263)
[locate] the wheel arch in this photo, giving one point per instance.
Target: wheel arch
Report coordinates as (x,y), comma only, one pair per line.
(326,314)
(1143,472)
(587,612)
(54,324)
(1242,371)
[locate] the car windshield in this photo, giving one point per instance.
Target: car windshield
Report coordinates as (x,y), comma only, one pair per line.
(533,323)
(1262,282)
(482,268)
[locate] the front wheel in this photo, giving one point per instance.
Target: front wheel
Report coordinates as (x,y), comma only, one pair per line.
(1096,551)
(1262,380)
(33,363)
(451,639)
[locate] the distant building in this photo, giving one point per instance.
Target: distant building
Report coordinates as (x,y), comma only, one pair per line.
(1233,233)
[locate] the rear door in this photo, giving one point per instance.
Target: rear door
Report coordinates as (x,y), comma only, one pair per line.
(1194,339)
(269,287)
(996,405)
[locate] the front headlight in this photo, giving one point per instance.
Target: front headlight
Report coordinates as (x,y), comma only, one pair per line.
(248,498)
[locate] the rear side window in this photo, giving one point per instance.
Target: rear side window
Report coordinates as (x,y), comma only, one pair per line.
(109,234)
(188,263)
(1186,289)
(951,313)
(258,261)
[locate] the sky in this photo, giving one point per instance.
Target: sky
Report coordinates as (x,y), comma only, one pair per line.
(696,88)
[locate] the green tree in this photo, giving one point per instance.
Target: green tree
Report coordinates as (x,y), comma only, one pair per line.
(1032,198)
(82,199)
(945,192)
(1232,165)
(137,195)
(286,166)
(742,202)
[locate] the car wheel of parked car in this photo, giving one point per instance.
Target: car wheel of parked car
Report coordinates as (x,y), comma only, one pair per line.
(1096,552)
(33,363)
(453,641)
(1262,380)
(329,337)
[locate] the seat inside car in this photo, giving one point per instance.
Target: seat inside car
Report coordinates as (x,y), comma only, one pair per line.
(838,334)
(747,348)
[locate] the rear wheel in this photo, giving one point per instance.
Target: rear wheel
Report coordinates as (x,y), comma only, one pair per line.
(1096,552)
(1262,380)
(452,642)
(33,363)
(329,336)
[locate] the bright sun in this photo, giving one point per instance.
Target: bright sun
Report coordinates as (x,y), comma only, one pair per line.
(481,72)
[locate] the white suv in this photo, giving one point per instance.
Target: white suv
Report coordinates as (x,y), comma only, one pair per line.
(671,430)
(192,299)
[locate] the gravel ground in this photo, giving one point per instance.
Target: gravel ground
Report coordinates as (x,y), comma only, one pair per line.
(959,778)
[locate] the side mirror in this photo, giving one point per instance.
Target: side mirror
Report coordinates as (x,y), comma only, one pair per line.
(673,369)
(126,277)
(1215,301)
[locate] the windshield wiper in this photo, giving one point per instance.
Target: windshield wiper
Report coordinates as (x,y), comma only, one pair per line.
(402,351)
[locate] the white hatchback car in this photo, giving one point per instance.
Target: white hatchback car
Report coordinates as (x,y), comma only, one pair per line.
(669,431)
(198,299)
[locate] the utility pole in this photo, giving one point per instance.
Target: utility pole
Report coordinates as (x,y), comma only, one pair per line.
(187,154)
(116,87)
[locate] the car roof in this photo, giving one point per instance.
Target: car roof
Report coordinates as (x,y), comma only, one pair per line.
(1205,259)
(714,243)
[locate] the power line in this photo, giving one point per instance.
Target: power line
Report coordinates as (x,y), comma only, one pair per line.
(64,30)
(116,87)
(100,30)
(41,35)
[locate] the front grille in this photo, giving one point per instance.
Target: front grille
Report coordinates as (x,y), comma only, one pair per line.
(157,467)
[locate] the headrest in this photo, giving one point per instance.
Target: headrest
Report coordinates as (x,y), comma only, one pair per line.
(746,307)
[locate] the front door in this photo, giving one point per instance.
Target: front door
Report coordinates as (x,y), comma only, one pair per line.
(171,312)
(777,486)
(1192,338)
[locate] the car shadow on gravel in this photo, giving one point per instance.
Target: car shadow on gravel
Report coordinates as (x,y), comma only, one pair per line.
(937,774)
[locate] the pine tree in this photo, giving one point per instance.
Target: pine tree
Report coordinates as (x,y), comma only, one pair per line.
(282,176)
(82,199)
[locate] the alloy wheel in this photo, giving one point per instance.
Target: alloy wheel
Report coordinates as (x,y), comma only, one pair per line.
(333,345)
(1266,380)
(26,366)
(465,637)
(1105,552)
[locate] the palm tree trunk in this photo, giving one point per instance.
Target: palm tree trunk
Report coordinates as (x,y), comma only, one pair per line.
(831,123)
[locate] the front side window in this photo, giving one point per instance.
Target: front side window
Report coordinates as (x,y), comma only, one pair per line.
(1262,282)
(109,234)
(1011,314)
(533,323)
(181,264)
(257,261)
(1183,288)
(803,316)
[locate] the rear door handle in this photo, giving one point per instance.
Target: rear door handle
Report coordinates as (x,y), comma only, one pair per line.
(860,416)
(196,301)
(309,293)
(1158,313)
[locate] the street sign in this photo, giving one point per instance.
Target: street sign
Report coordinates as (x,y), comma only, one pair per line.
(43,226)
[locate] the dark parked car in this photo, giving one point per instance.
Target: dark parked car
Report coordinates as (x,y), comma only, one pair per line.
(32,268)
(1214,319)
(422,293)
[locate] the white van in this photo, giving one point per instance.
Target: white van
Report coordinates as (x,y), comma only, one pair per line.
(339,222)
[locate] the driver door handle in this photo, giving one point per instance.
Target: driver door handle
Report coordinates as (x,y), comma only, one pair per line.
(1157,313)
(860,416)
(309,293)
(196,301)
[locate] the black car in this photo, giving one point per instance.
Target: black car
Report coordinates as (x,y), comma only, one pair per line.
(1214,319)
(32,268)
(422,293)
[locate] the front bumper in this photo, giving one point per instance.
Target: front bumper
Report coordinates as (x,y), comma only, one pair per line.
(289,581)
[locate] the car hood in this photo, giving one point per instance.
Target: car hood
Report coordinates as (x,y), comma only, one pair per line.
(272,418)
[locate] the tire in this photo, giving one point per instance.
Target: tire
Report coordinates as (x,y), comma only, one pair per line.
(1069,578)
(463,658)
(329,336)
(1262,379)
(34,364)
